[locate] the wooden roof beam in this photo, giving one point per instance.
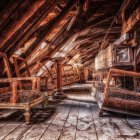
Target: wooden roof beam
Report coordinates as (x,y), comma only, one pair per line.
(70,55)
(125,5)
(49,27)
(89,62)
(19,38)
(86,52)
(5,14)
(18,22)
(87,59)
(98,21)
(86,56)
(43,57)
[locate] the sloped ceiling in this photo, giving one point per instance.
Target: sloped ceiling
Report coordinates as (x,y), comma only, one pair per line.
(40,29)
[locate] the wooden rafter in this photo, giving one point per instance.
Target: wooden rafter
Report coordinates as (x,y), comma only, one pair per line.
(50,26)
(14,26)
(27,29)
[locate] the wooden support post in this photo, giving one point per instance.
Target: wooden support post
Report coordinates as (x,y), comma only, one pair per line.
(78,72)
(59,93)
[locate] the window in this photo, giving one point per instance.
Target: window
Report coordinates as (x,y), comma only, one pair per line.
(122,55)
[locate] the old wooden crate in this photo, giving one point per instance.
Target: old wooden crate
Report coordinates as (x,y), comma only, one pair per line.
(114,56)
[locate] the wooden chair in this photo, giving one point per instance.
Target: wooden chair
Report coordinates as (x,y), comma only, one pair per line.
(16,98)
(116,97)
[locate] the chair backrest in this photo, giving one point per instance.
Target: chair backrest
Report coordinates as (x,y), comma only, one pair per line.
(7,69)
(6,64)
(17,69)
(26,84)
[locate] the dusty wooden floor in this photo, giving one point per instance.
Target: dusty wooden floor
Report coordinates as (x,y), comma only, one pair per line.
(73,119)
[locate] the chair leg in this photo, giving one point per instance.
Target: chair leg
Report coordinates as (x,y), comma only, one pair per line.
(101,113)
(43,105)
(45,100)
(27,115)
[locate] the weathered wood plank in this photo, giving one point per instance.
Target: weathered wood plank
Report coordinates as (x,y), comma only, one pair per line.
(134,123)
(6,129)
(18,22)
(55,128)
(57,110)
(69,130)
(85,126)
(2,124)
(79,97)
(17,133)
(31,26)
(31,131)
(5,113)
(71,121)
(49,26)
(124,129)
(106,130)
(34,132)
(4,14)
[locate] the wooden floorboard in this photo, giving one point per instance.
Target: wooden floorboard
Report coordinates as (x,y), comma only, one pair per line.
(85,126)
(76,118)
(105,129)
(18,132)
(54,130)
(69,129)
(125,130)
(36,131)
(7,129)
(31,132)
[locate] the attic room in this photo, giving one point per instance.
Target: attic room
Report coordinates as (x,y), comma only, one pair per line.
(69,70)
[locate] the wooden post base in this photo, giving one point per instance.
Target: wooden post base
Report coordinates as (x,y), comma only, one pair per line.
(59,95)
(45,102)
(101,112)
